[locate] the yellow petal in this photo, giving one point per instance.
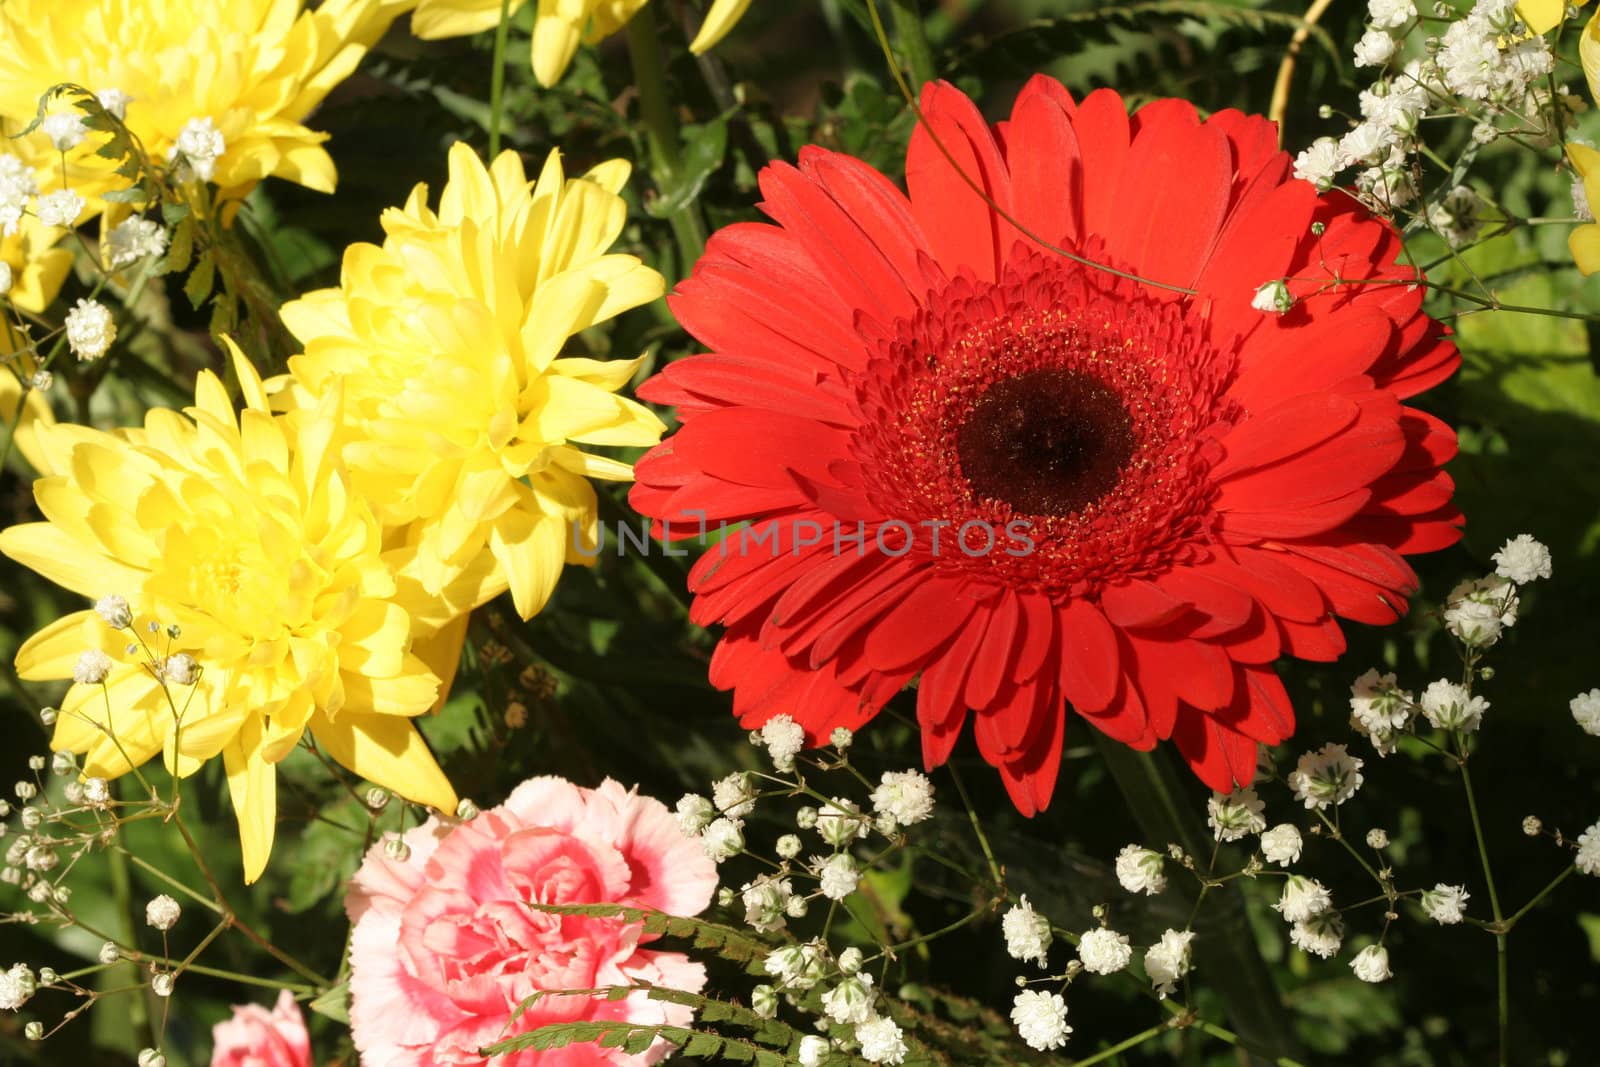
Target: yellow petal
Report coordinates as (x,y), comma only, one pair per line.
(72,565)
(441,651)
(387,751)
(719,20)
(1589,53)
(434,19)
(555,39)
(53,651)
(1584,241)
(254,789)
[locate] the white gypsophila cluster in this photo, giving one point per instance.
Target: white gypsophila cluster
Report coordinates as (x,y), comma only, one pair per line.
(813,1051)
(797,967)
(1027,933)
(179,668)
(133,239)
(162,912)
(723,839)
(1273,297)
(1479,609)
(838,875)
(1302,898)
(783,738)
(1040,1019)
(1390,14)
(1522,559)
(1389,184)
(1580,201)
(1378,838)
(787,846)
(65,130)
(1446,904)
(1319,164)
(200,144)
(1139,870)
(1167,960)
(1374,49)
(18,185)
(903,796)
(1327,777)
(840,822)
(115,101)
(1449,706)
(1104,951)
(149,1057)
(850,1002)
(1588,857)
(766,901)
(1281,844)
(115,611)
(734,795)
(1320,935)
(60,208)
(841,738)
(91,668)
(1586,711)
(96,792)
(1458,218)
(882,1040)
(1483,57)
(17,986)
(1372,964)
(1235,815)
(694,813)
(1379,709)
(90,330)
(850,960)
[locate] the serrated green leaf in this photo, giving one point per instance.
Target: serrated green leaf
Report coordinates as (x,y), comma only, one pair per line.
(702,1045)
(201,280)
(180,250)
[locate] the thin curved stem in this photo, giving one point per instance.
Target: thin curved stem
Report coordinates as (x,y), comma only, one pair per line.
(1291,55)
(497,78)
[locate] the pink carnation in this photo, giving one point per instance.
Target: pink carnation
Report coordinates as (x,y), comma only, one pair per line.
(445,948)
(256,1037)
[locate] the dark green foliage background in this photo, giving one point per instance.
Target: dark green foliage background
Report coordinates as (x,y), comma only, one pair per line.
(613,675)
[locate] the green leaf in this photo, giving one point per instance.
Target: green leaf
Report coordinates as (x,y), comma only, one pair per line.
(201,280)
(180,250)
(703,151)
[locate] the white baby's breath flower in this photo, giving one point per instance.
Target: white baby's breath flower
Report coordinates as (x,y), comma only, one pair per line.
(1588,857)
(813,1050)
(180,669)
(1377,838)
(1027,933)
(1235,815)
(1319,163)
(734,795)
(1104,951)
(1320,935)
(784,739)
(722,839)
(115,611)
(849,1002)
(1040,1019)
(199,144)
(904,796)
(882,1040)
(1379,704)
(162,912)
(1374,49)
(115,101)
(1390,14)
(1477,610)
(96,792)
(1302,898)
(840,822)
(65,130)
(694,813)
(91,668)
(1139,870)
(60,208)
(1445,904)
(1586,711)
(1328,776)
(17,986)
(1281,844)
(1372,964)
(765,901)
(1168,960)
(838,875)
(91,329)
(1449,706)
(1522,559)
(134,239)
(1273,297)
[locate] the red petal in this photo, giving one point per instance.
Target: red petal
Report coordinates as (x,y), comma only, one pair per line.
(920,623)
(1090,662)
(1046,175)
(994,656)
(962,229)
(1138,603)
(1101,123)
(1167,228)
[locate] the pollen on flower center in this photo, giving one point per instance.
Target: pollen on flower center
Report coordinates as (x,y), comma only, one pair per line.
(1046,442)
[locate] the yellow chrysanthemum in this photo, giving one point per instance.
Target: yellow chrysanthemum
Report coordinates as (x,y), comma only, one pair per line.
(462,422)
(242,532)
(255,68)
(560,25)
(1542,16)
(1584,241)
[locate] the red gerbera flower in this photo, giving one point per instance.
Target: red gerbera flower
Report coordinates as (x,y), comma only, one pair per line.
(1180,488)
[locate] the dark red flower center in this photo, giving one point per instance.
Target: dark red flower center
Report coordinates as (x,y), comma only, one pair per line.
(1047,442)
(1059,405)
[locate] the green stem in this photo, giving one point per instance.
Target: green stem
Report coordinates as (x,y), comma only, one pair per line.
(977,828)
(913,37)
(122,890)
(1502,965)
(497,78)
(1529,906)
(661,128)
(1123,1046)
